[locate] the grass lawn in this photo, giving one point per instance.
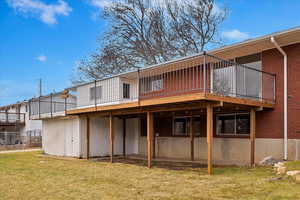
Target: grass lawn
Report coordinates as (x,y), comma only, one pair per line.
(30,175)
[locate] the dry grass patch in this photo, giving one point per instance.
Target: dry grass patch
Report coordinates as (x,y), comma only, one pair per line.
(32,176)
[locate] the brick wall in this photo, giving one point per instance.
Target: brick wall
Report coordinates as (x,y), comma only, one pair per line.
(270,122)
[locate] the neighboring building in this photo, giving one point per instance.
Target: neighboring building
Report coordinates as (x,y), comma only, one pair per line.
(232,105)
(16,128)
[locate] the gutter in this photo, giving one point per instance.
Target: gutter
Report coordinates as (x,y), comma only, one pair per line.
(285,112)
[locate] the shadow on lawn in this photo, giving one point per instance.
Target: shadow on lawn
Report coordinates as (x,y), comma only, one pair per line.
(170,165)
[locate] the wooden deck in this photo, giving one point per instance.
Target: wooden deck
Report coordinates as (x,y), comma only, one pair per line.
(205,97)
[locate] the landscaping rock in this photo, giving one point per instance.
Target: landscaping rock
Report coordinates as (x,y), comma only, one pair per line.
(279,164)
(281,170)
(268,161)
(276,179)
(293,173)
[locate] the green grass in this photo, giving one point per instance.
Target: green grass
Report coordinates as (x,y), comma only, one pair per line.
(294,165)
(33,176)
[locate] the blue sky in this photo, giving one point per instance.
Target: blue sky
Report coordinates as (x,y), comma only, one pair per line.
(45,38)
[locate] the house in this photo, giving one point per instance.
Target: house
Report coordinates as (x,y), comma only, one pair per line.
(232,105)
(16,128)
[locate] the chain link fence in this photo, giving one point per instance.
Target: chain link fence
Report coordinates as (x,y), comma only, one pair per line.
(13,140)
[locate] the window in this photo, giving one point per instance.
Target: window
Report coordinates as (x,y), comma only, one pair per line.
(151,84)
(157,85)
(233,124)
(242,124)
(96,92)
(126,90)
(197,126)
(181,126)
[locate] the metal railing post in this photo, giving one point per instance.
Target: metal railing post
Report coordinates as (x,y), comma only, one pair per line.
(274,82)
(19,112)
(95,94)
(51,102)
(204,71)
(39,107)
(138,86)
(6,116)
(235,74)
(29,109)
(65,105)
(212,78)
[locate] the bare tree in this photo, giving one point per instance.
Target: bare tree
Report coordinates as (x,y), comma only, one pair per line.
(142,34)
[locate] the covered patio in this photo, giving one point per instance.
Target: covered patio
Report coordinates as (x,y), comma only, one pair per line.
(196,147)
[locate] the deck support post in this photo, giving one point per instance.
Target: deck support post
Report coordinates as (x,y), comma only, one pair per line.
(87,137)
(209,137)
(39,107)
(124,137)
(192,137)
(252,135)
(111,136)
(149,138)
(153,146)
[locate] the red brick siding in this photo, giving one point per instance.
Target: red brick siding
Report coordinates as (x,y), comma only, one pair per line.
(270,123)
(293,91)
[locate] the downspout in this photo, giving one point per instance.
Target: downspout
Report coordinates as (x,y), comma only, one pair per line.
(285,112)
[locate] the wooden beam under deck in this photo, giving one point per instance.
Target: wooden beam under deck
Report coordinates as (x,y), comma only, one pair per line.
(192,137)
(252,135)
(164,101)
(87,137)
(209,138)
(163,108)
(149,138)
(239,101)
(124,137)
(111,137)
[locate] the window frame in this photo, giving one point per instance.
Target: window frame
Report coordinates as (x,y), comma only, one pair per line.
(147,84)
(158,82)
(92,93)
(235,125)
(124,92)
(188,124)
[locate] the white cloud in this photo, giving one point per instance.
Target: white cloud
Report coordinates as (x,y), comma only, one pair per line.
(46,12)
(100,3)
(41,58)
(235,35)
